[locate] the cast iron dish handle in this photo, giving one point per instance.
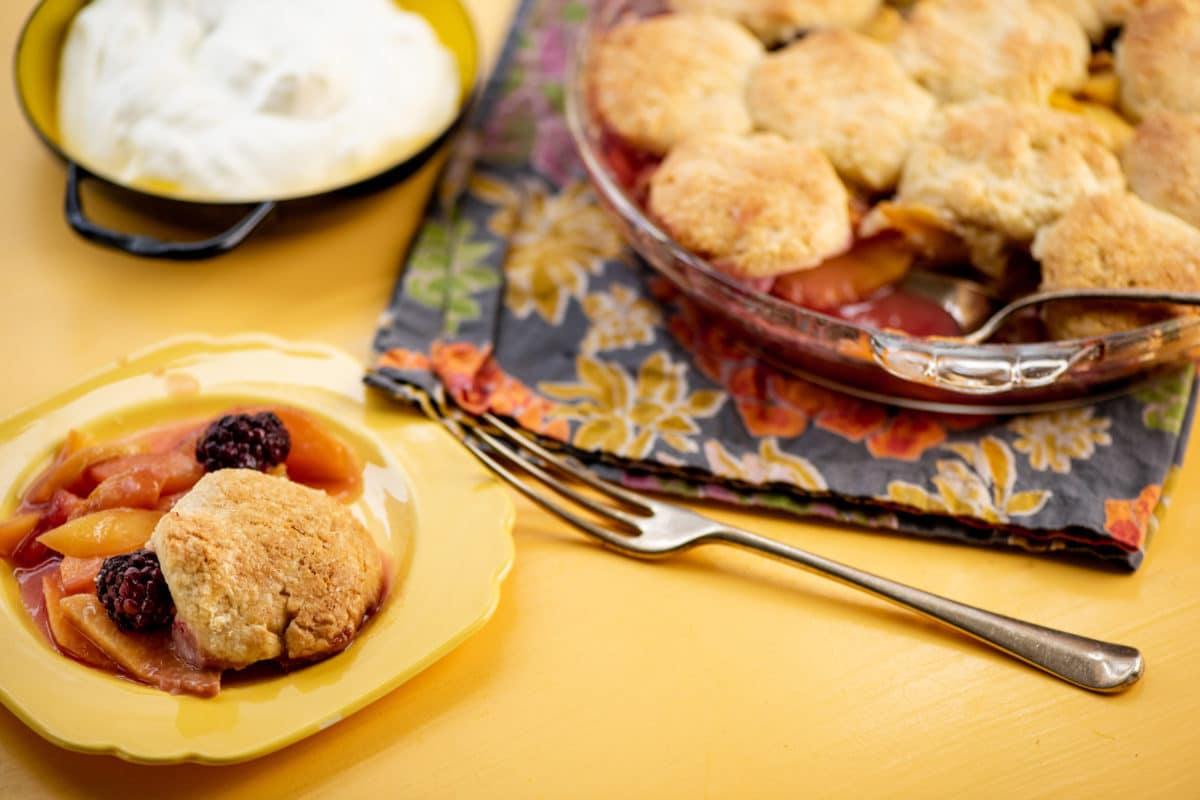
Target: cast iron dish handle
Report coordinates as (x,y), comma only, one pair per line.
(147,246)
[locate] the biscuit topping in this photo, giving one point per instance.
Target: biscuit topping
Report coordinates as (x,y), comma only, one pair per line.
(263,568)
(757,206)
(660,80)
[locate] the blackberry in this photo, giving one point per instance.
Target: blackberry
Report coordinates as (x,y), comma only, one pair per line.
(134,592)
(245,441)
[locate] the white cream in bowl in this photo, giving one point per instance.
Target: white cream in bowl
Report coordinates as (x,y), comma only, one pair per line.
(250,99)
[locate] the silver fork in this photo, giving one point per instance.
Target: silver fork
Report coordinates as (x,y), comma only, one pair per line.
(655,529)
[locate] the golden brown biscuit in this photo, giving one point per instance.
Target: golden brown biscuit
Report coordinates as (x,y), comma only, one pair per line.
(263,568)
(1162,162)
(1020,50)
(1116,241)
(780,20)
(1158,58)
(757,206)
(1071,320)
(846,95)
(996,172)
(659,80)
(1114,13)
(1096,17)
(1087,13)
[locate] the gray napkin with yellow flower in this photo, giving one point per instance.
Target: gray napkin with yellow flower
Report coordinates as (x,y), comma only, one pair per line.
(518,297)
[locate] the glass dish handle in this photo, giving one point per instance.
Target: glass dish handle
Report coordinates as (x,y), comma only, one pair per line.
(976,371)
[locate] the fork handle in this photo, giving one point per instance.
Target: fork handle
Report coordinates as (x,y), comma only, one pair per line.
(1092,664)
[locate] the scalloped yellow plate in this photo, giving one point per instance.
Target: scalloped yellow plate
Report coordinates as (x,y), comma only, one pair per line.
(446,525)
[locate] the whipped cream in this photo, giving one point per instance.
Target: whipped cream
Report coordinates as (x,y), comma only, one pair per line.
(250,99)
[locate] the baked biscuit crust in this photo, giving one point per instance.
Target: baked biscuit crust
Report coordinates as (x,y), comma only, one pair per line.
(756,206)
(779,20)
(1097,16)
(1158,59)
(1020,50)
(1115,12)
(1087,13)
(1162,162)
(846,95)
(1116,241)
(997,172)
(263,568)
(659,80)
(1070,320)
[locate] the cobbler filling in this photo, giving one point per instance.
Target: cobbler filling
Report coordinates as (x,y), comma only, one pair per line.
(859,286)
(76,541)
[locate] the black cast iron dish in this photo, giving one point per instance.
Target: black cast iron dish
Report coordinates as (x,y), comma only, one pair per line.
(36,70)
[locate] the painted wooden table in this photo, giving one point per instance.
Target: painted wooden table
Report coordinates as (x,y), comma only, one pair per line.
(715,675)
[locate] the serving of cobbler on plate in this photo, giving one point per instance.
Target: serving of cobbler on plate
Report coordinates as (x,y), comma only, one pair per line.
(177,552)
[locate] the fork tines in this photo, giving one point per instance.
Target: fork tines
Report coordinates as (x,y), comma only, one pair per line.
(506,445)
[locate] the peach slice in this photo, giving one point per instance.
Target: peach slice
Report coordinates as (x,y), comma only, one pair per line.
(177,471)
(922,226)
(1118,131)
(136,488)
(104,533)
(66,635)
(850,277)
(1103,88)
(885,26)
(150,658)
(174,437)
(318,458)
(79,574)
(14,530)
(69,466)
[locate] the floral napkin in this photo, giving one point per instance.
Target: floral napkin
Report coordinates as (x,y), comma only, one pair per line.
(519,297)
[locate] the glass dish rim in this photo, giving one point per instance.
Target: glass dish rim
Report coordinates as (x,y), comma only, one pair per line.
(615,195)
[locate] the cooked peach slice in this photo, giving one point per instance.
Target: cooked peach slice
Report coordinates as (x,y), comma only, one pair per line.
(148,657)
(885,26)
(63,506)
(69,467)
(866,268)
(167,501)
(177,471)
(136,488)
(66,635)
(175,437)
(1102,87)
(104,533)
(14,530)
(1099,111)
(318,458)
(79,574)
(29,552)
(922,226)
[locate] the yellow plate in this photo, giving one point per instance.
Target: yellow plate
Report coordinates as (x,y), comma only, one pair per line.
(450,541)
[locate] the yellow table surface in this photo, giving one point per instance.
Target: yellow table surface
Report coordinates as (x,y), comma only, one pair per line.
(714,675)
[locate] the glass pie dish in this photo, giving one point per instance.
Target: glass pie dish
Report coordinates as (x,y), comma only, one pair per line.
(932,372)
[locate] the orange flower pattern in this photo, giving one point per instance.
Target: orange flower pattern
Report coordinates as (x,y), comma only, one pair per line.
(399,358)
(773,403)
(477,383)
(1128,521)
